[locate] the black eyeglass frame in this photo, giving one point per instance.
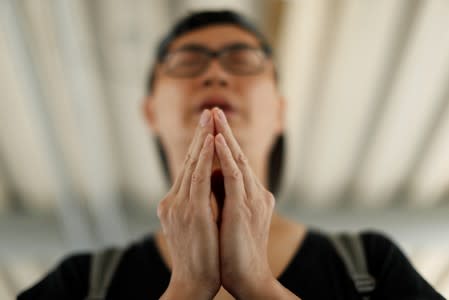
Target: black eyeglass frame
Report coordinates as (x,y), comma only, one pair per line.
(211,54)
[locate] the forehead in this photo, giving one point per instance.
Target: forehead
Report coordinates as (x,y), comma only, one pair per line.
(215,36)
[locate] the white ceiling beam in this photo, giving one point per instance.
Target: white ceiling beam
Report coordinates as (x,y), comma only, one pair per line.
(21,133)
(442,283)
(4,201)
(51,72)
(247,7)
(302,53)
(431,179)
(127,36)
(412,105)
(358,62)
(98,173)
(67,113)
(432,262)
(6,292)
(28,143)
(23,272)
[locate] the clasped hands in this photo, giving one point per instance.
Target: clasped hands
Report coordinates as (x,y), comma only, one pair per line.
(206,256)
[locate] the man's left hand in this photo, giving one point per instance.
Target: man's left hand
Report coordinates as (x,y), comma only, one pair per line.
(246,218)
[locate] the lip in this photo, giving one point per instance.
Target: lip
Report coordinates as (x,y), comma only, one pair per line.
(221,102)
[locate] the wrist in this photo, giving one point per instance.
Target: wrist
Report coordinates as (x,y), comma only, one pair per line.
(187,290)
(271,289)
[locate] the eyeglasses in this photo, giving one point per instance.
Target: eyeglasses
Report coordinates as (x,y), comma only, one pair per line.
(192,60)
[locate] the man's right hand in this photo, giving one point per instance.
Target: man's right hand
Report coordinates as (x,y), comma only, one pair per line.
(188,222)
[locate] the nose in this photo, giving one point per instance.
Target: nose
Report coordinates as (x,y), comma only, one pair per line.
(215,75)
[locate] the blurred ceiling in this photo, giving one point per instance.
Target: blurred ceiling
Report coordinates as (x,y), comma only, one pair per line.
(367,86)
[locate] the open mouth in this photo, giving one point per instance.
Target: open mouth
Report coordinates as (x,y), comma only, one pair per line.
(217,101)
(226,108)
(217,187)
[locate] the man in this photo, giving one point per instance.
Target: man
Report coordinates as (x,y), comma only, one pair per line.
(214,105)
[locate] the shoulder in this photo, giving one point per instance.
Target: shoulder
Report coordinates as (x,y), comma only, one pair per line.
(377,240)
(379,248)
(382,251)
(70,276)
(396,276)
(374,242)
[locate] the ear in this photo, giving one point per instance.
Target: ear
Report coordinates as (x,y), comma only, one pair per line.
(280,120)
(148,110)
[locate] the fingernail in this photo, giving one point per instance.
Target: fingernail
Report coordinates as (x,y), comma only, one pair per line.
(221,139)
(205,117)
(222,116)
(208,141)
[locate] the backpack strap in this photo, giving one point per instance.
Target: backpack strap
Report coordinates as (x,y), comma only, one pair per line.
(102,268)
(350,248)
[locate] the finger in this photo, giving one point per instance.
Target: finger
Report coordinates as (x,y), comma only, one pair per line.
(204,128)
(240,158)
(233,179)
(200,183)
(180,177)
(178,180)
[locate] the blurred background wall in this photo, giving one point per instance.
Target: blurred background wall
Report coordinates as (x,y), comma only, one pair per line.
(367,85)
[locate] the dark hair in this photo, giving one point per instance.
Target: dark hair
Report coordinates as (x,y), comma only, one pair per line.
(197,20)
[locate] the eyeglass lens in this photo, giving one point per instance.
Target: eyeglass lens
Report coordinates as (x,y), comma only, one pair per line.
(238,59)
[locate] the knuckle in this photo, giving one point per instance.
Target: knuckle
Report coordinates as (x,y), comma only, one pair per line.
(198,177)
(173,212)
(169,215)
(187,158)
(162,209)
(172,192)
(160,212)
(192,163)
(242,159)
(269,198)
(235,174)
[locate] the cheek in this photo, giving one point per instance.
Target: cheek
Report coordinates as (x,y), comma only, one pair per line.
(169,93)
(262,117)
(262,105)
(171,108)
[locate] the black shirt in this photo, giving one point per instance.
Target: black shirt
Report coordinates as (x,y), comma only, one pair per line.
(315,272)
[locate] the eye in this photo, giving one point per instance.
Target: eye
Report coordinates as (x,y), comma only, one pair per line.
(240,56)
(186,62)
(244,60)
(186,58)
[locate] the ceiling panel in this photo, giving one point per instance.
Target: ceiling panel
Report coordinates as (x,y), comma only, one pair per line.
(430,182)
(304,42)
(443,284)
(125,36)
(347,98)
(248,7)
(23,272)
(23,137)
(414,102)
(4,197)
(432,263)
(6,291)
